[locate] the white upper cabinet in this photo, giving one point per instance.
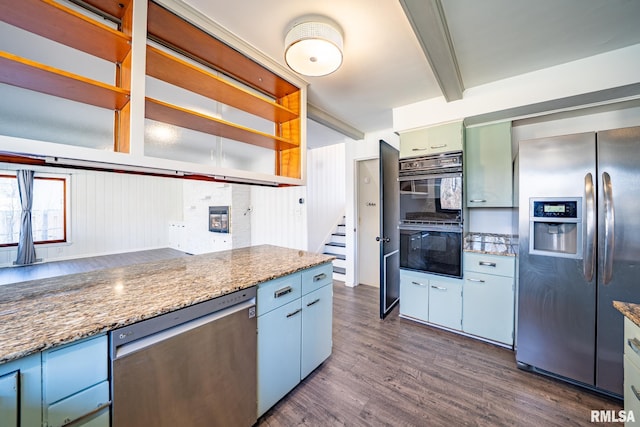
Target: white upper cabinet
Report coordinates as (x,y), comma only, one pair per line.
(432,140)
(488,166)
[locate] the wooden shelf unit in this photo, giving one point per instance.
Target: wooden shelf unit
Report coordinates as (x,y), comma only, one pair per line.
(17,71)
(64,25)
(178,35)
(178,116)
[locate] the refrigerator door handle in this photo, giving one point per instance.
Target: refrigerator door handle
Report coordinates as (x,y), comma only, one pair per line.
(609,224)
(589,249)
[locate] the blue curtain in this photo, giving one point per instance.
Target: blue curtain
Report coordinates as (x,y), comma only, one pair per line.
(26,249)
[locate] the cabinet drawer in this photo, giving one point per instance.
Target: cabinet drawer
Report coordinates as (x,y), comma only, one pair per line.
(631,386)
(79,404)
(72,368)
(414,295)
(632,342)
(278,292)
(317,277)
(490,264)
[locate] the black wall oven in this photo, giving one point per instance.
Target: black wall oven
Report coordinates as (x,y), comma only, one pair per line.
(431,214)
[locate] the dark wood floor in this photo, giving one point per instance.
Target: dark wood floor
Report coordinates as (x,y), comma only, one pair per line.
(400,373)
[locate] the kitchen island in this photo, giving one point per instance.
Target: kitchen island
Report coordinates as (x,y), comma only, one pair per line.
(41,314)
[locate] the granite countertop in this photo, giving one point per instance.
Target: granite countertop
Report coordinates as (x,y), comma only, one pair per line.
(630,310)
(492,244)
(40,314)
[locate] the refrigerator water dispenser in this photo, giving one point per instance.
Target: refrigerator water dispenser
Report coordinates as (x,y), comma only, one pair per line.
(556,227)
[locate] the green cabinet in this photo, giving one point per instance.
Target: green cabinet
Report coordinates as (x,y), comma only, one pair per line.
(489,297)
(432,140)
(431,298)
(631,368)
(21,392)
(488,166)
(294,330)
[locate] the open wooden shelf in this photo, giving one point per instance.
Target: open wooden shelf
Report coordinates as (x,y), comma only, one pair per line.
(27,74)
(170,29)
(173,70)
(59,23)
(182,117)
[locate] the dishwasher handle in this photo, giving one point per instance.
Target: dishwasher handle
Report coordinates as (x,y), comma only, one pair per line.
(147,341)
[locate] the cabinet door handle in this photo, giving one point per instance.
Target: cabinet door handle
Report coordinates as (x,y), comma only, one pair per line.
(318,277)
(634,344)
(282,292)
(476,280)
(440,288)
(313,302)
(419,149)
(635,391)
(419,284)
(78,421)
(294,313)
(438,146)
(478,201)
(487,264)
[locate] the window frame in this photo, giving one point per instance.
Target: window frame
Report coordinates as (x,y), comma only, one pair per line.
(66,206)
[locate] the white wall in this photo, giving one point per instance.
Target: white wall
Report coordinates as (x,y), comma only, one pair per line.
(111,213)
(278,218)
(326,188)
(369,148)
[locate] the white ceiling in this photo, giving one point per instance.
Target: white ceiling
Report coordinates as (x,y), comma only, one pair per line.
(385,67)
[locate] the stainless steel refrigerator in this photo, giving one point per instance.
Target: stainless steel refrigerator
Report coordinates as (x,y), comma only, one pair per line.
(579,250)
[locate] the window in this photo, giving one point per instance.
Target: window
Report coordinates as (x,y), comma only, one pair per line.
(48,213)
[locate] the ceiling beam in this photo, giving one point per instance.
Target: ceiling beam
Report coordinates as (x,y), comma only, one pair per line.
(430,27)
(326,119)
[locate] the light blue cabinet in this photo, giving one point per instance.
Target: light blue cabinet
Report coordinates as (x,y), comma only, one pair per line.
(445,302)
(432,140)
(75,384)
(489,297)
(488,166)
(294,331)
(431,298)
(414,295)
(21,392)
(317,341)
(279,339)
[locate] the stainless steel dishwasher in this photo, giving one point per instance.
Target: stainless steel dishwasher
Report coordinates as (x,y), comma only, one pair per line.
(191,367)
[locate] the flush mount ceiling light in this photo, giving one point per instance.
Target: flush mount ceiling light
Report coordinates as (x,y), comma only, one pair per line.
(313,48)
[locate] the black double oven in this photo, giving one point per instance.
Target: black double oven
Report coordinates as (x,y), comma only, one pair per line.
(431,201)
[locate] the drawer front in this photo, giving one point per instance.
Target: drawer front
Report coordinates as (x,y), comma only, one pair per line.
(490,264)
(632,341)
(79,404)
(69,369)
(317,277)
(414,295)
(277,292)
(631,386)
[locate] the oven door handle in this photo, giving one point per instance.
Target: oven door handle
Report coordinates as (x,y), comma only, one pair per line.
(431,176)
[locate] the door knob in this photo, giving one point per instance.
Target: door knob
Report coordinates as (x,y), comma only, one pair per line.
(384,239)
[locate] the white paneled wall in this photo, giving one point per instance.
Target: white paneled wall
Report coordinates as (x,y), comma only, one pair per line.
(111,213)
(278,218)
(326,188)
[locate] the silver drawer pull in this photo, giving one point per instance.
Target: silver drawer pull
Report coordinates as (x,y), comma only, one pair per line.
(418,284)
(438,146)
(419,149)
(80,421)
(488,264)
(319,277)
(633,389)
(634,344)
(476,280)
(294,313)
(282,292)
(440,288)
(313,302)
(478,201)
